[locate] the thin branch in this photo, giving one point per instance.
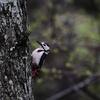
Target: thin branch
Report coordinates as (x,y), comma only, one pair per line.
(75,87)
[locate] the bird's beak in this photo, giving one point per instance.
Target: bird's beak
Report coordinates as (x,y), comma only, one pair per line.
(39,42)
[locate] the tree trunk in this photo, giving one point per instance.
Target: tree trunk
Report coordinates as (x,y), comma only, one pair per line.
(15,62)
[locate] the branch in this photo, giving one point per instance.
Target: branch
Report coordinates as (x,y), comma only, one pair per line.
(75,87)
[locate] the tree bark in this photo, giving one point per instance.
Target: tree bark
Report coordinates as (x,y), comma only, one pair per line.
(15,62)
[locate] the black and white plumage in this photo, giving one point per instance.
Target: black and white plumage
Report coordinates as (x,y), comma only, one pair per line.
(38,57)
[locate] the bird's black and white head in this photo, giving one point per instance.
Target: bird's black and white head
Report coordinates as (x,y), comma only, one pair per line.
(39,54)
(44,46)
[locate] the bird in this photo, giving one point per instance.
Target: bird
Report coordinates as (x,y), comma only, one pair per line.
(38,58)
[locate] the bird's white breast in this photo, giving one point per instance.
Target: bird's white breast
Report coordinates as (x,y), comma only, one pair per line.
(36,56)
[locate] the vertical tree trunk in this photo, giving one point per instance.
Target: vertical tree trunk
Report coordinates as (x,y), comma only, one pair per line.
(15,69)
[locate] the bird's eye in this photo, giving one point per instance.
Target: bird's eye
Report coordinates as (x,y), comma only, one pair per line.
(44,44)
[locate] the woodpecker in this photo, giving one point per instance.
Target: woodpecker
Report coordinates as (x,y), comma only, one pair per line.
(38,58)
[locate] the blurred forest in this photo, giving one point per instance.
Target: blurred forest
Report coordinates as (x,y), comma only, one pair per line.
(72,28)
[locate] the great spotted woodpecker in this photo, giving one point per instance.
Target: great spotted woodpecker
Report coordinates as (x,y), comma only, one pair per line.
(38,57)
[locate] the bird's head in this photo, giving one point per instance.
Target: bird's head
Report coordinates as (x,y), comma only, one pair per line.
(44,46)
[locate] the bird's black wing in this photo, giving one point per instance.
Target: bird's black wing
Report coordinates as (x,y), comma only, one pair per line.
(42,59)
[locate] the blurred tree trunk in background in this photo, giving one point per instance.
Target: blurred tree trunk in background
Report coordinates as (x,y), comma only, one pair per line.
(15,69)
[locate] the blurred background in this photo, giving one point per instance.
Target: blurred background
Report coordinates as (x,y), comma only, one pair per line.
(72,29)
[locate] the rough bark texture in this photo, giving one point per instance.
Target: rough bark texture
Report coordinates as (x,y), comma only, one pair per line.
(15,69)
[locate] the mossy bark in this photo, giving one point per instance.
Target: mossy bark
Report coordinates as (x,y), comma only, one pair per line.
(15,62)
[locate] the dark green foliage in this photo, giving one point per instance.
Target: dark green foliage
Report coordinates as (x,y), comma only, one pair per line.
(72,28)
